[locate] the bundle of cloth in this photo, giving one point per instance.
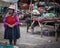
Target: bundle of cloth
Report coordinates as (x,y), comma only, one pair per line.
(47,15)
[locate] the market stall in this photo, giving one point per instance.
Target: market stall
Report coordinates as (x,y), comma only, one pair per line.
(45,21)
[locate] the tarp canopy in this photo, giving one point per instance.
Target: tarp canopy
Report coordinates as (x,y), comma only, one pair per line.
(11,1)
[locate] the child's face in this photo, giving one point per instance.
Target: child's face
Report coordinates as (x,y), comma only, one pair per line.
(11,11)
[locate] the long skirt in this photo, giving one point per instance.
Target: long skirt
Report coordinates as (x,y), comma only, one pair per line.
(12,33)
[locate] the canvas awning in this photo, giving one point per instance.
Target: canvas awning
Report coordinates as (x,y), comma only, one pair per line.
(11,1)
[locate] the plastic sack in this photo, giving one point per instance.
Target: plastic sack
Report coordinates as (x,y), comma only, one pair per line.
(35,7)
(16,47)
(41,8)
(41,3)
(1,46)
(51,14)
(9,46)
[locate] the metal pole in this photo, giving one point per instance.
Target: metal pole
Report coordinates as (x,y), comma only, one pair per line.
(31,17)
(31,8)
(56,36)
(16,6)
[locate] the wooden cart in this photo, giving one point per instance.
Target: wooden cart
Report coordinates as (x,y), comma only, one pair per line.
(45,21)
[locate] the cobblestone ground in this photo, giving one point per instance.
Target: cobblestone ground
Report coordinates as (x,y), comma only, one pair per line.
(29,40)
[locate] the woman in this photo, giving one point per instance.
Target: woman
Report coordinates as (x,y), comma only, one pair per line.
(11,23)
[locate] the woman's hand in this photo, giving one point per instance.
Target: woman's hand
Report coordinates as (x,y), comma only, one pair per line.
(11,25)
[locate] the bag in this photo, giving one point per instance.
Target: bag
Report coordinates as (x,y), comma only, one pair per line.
(1,46)
(11,20)
(9,46)
(16,47)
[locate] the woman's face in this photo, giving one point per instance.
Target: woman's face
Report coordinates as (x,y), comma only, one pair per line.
(11,11)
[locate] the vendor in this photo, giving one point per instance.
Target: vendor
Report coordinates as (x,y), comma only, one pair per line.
(11,24)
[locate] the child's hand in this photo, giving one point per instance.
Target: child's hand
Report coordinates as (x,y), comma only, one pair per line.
(21,23)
